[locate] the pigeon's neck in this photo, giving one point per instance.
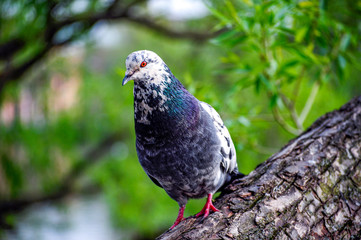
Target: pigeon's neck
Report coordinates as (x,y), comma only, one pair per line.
(164,106)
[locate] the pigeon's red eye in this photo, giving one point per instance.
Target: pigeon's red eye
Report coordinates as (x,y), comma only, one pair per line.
(143,64)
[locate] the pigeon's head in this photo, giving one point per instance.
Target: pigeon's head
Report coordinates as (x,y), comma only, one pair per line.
(143,65)
(156,90)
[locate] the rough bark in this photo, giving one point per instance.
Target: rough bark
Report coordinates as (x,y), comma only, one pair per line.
(311,189)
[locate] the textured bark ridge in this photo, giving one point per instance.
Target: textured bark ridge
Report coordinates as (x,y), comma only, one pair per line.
(311,189)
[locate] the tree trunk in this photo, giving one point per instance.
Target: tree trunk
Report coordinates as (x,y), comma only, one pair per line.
(311,189)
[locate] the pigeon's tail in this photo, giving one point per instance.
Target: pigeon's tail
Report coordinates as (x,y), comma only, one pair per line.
(235,174)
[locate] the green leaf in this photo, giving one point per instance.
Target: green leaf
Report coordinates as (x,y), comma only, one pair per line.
(289,64)
(233,12)
(223,18)
(301,33)
(248,2)
(229,38)
(287,31)
(273,100)
(224,36)
(306,4)
(257,85)
(342,62)
(265,81)
(287,67)
(323,4)
(340,67)
(345,41)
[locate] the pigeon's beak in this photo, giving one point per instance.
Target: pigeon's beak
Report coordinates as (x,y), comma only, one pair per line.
(126,78)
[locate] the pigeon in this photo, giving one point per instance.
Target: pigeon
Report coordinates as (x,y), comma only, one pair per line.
(182,143)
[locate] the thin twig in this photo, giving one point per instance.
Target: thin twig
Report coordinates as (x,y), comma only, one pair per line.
(279,119)
(297,87)
(292,110)
(311,98)
(66,186)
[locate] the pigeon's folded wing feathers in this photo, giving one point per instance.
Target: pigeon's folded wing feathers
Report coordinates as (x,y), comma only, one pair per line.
(155,181)
(229,162)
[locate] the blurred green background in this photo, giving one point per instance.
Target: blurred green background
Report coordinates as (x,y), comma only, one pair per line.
(68,166)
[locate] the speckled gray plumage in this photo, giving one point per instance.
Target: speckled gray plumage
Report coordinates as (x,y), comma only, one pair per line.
(182,143)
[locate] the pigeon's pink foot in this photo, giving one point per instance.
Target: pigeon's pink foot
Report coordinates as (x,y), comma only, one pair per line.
(207,207)
(179,218)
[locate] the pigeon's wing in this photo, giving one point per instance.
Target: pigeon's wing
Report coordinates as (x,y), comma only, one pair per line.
(155,181)
(229,160)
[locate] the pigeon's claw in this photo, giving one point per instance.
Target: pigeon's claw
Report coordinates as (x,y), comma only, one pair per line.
(179,218)
(208,206)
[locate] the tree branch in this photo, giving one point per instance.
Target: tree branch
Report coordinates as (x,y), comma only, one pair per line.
(114,12)
(311,189)
(169,32)
(90,158)
(9,48)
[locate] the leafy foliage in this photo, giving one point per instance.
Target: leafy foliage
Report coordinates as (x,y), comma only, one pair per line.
(279,47)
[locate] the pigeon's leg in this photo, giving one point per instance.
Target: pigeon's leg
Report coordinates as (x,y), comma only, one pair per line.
(180,216)
(207,207)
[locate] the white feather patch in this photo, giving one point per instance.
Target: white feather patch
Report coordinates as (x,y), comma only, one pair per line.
(229,158)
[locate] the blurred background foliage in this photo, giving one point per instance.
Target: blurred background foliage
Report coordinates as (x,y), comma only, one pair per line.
(270,68)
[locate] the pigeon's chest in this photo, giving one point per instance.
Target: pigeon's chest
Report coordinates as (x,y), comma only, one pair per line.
(160,145)
(177,152)
(148,103)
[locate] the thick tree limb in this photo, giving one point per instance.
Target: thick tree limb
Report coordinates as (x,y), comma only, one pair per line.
(311,189)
